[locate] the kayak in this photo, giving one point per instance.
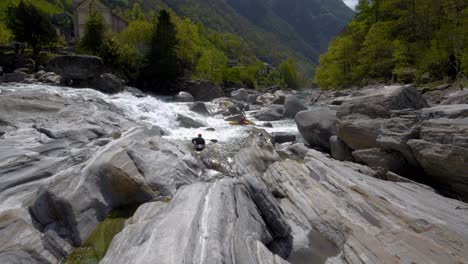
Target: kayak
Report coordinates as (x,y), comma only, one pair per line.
(236,123)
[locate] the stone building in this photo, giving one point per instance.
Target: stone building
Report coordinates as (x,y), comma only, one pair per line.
(83,8)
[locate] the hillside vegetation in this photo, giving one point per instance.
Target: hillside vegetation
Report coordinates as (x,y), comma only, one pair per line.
(399,41)
(274,30)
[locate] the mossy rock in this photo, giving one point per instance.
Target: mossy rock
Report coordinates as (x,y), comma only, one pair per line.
(96,245)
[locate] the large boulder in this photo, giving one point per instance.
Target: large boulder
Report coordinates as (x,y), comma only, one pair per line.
(77,67)
(111,179)
(184,97)
(292,106)
(188,122)
(270,113)
(354,218)
(265,99)
(339,150)
(200,108)
(221,222)
(108,83)
(317,126)
(457,98)
(283,137)
(380,160)
(442,151)
(392,134)
(240,95)
(13,77)
(378,102)
(256,154)
(227,107)
(203,91)
(280,97)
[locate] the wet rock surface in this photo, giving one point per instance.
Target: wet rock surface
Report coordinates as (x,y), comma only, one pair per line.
(68,161)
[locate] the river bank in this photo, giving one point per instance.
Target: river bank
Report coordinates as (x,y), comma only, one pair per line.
(70,157)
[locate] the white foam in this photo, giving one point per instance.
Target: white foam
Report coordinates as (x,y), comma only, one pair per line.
(155,111)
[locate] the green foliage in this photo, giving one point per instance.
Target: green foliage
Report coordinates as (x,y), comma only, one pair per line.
(210,66)
(137,14)
(30,25)
(396,40)
(162,61)
(289,73)
(121,57)
(5,35)
(137,35)
(43,6)
(94,36)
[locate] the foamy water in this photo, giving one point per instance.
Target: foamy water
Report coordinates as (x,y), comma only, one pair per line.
(154,111)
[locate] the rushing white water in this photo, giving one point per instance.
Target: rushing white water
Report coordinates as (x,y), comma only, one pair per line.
(155,111)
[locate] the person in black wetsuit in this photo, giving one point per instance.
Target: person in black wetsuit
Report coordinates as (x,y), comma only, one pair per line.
(199,143)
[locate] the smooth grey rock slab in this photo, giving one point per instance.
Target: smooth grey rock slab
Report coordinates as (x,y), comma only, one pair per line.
(367,220)
(203,223)
(378,102)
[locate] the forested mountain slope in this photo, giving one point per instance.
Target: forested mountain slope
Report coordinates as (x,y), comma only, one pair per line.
(274,29)
(403,41)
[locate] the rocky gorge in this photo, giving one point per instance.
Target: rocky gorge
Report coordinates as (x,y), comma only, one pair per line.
(377,175)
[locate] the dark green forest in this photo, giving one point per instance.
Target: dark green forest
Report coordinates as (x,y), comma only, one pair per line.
(399,41)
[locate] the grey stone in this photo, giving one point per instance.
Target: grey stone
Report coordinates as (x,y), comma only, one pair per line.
(256,154)
(13,77)
(77,67)
(460,97)
(50,77)
(445,111)
(380,160)
(265,99)
(200,108)
(378,102)
(342,208)
(442,151)
(283,137)
(214,215)
(39,74)
(184,97)
(339,150)
(227,107)
(188,122)
(317,126)
(240,95)
(22,70)
(270,113)
(280,97)
(135,92)
(108,83)
(252,98)
(292,106)
(203,91)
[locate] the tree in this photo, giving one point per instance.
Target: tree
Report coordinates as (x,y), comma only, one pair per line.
(289,73)
(137,14)
(5,35)
(95,31)
(162,61)
(30,25)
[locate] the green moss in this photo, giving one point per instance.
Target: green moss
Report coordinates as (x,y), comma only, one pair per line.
(82,255)
(95,247)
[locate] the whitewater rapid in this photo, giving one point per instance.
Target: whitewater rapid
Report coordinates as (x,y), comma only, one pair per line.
(152,110)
